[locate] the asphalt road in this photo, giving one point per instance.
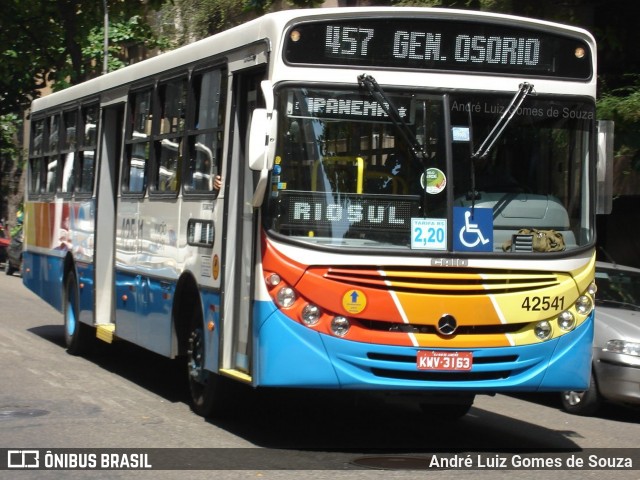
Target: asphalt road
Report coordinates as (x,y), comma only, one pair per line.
(122,397)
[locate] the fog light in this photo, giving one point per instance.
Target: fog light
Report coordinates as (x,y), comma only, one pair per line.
(273,280)
(543,330)
(592,289)
(310,314)
(340,326)
(566,321)
(286,297)
(584,305)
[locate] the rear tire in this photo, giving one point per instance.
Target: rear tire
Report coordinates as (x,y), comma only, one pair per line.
(77,335)
(582,403)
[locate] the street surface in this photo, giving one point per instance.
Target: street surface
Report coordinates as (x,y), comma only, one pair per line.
(121,396)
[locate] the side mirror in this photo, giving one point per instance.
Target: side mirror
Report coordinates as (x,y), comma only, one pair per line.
(261,149)
(258,140)
(604,167)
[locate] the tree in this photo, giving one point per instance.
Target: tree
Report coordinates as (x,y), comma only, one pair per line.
(190,20)
(51,42)
(10,164)
(55,43)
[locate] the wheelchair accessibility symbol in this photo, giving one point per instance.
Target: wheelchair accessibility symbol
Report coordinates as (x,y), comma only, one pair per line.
(473,231)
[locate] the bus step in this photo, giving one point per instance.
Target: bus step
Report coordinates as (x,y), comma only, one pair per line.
(105,331)
(236,374)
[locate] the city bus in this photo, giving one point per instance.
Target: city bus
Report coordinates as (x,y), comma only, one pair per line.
(405,204)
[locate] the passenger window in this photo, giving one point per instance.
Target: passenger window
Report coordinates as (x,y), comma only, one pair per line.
(137,149)
(87,150)
(168,142)
(205,141)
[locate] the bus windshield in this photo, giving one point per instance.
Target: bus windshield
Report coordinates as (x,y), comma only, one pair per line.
(347,175)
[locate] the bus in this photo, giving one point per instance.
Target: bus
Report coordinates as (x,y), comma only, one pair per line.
(407,206)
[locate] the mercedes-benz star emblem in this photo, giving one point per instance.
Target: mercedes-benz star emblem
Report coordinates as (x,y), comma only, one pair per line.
(447,325)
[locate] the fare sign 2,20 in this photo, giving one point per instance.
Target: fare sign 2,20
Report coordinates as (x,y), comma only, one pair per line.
(444,360)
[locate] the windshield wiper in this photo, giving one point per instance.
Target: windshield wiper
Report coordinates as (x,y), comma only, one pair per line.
(496,132)
(503,121)
(375,90)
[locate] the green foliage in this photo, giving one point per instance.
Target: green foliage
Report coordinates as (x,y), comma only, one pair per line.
(486,5)
(10,125)
(44,41)
(622,104)
(190,20)
(10,158)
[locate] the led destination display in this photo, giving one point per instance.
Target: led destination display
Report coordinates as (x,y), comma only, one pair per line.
(354,212)
(439,45)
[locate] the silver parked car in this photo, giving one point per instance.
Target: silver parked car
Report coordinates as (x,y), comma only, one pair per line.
(615,375)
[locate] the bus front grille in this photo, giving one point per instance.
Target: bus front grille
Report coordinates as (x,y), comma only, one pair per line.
(450,281)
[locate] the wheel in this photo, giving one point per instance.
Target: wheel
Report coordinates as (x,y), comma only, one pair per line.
(77,335)
(582,403)
(203,384)
(447,412)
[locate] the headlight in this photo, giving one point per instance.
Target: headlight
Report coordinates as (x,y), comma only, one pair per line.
(310,314)
(286,297)
(566,321)
(622,346)
(273,280)
(584,305)
(542,330)
(340,326)
(592,289)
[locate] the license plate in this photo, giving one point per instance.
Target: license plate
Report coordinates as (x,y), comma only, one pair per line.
(444,361)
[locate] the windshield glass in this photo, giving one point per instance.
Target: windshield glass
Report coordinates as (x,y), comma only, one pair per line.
(346,174)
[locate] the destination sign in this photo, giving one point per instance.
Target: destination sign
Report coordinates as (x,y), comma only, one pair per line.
(345,105)
(439,45)
(353,212)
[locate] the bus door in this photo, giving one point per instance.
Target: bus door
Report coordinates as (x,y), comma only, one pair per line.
(240,231)
(106,196)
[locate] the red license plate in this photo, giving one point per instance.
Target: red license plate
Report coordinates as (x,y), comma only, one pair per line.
(444,361)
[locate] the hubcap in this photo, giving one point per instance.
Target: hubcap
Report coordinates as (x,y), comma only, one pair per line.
(71,317)
(573,398)
(196,356)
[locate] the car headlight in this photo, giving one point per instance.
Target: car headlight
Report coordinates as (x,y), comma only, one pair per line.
(622,346)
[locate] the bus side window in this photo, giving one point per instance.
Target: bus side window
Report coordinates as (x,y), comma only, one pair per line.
(36,157)
(88,145)
(137,143)
(69,130)
(205,140)
(167,167)
(52,158)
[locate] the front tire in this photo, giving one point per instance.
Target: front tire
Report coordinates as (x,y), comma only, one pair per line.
(447,412)
(77,335)
(203,384)
(582,403)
